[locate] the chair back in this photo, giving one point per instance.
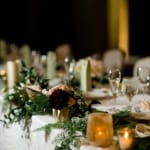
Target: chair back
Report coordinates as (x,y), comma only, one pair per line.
(141,62)
(113,58)
(63,51)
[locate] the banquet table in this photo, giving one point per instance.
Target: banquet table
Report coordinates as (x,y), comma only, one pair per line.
(12,138)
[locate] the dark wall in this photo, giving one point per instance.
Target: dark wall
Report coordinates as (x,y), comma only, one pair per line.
(44,24)
(41,23)
(139,27)
(90,25)
(12,20)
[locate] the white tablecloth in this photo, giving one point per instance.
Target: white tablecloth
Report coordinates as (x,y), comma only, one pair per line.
(11,138)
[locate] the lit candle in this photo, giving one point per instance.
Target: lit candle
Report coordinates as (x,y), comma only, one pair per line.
(126,138)
(100,129)
(2,72)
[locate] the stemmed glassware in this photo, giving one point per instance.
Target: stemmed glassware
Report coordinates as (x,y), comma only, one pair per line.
(143,75)
(69,66)
(130,88)
(114,78)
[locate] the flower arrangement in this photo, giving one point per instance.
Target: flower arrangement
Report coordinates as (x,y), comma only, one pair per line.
(67,102)
(31,95)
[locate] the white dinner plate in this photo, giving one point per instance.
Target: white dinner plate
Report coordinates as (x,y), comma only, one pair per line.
(141,115)
(110,108)
(98,94)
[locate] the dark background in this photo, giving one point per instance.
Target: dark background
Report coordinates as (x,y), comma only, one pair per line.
(139,27)
(44,24)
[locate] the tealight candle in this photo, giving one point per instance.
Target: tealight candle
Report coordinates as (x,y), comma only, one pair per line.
(100,129)
(126,138)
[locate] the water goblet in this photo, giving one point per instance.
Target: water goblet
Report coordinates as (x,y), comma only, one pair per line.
(143,75)
(130,88)
(114,78)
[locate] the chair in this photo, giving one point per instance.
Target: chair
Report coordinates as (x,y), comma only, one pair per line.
(113,58)
(62,51)
(141,62)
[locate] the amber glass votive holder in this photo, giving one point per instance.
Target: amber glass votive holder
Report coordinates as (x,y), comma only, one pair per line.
(126,138)
(100,129)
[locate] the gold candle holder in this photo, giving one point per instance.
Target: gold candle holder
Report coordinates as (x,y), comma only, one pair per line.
(125,138)
(100,129)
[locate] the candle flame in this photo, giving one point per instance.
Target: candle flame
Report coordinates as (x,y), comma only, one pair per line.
(2,72)
(126,134)
(100,133)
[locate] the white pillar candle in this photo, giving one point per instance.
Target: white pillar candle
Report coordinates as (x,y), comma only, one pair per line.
(26,55)
(11,71)
(85,82)
(51,65)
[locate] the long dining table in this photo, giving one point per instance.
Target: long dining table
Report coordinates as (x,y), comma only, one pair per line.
(12,138)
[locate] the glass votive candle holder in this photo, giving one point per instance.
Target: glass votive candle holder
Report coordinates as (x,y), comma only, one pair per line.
(100,129)
(125,138)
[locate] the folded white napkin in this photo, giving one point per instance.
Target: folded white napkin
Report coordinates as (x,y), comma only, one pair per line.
(98,94)
(110,108)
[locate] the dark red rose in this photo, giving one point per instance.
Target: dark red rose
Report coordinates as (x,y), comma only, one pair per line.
(59,99)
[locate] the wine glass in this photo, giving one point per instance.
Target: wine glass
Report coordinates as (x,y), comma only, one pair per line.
(130,88)
(69,66)
(143,75)
(114,78)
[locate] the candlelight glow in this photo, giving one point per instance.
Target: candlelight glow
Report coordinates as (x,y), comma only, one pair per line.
(126,135)
(126,138)
(100,133)
(2,72)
